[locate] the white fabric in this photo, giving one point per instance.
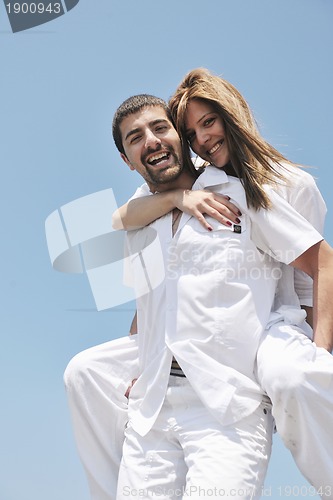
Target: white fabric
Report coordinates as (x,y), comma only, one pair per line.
(96,380)
(218,291)
(302,193)
(188,454)
(298,378)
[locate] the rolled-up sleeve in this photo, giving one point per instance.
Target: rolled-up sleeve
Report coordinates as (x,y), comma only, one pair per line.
(281,232)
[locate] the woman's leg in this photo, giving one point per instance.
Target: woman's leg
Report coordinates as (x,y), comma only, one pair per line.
(96,380)
(298,378)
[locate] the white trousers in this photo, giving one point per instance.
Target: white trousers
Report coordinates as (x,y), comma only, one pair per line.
(189,454)
(298,378)
(96,380)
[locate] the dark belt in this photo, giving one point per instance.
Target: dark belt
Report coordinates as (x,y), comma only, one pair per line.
(176,370)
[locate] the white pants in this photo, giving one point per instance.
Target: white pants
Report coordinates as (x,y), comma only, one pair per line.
(96,380)
(188,453)
(296,375)
(298,378)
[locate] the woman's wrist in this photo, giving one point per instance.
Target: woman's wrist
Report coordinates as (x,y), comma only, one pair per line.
(176,198)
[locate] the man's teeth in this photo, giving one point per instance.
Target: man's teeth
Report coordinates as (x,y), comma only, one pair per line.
(156,158)
(215,148)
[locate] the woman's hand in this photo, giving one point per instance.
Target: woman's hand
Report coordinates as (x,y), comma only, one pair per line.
(200,203)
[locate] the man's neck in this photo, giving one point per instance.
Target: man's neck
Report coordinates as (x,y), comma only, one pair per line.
(184,181)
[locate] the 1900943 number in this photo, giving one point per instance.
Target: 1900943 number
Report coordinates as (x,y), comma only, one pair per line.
(33,8)
(303,491)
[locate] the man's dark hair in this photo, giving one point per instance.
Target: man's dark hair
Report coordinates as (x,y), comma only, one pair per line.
(130,106)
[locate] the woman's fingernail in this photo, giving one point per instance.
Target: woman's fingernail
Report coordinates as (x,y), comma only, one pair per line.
(238,221)
(239,213)
(229,223)
(210,229)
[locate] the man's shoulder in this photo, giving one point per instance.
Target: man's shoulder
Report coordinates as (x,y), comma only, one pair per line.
(141,191)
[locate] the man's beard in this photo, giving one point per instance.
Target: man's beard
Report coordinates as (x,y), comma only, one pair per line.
(170,173)
(165,175)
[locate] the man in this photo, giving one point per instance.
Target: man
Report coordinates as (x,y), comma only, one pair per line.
(151,148)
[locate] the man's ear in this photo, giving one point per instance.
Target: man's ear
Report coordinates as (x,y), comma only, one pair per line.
(124,157)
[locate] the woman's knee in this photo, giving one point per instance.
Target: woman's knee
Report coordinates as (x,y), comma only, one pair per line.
(281,375)
(76,371)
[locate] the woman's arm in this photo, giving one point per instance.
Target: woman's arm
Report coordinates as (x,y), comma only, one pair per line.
(317,261)
(309,314)
(140,212)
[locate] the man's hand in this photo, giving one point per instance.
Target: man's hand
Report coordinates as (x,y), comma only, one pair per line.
(127,393)
(134,325)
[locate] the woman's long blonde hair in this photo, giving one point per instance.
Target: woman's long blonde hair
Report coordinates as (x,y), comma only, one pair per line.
(253,159)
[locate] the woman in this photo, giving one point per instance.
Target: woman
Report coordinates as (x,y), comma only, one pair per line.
(213,119)
(251,158)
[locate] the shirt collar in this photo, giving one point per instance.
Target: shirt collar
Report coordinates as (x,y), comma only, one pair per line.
(211,176)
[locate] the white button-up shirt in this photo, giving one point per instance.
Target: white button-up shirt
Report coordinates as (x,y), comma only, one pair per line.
(206,297)
(302,193)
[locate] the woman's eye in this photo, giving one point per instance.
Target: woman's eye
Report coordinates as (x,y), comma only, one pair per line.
(209,121)
(190,138)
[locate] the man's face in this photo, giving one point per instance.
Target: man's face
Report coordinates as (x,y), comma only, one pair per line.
(152,146)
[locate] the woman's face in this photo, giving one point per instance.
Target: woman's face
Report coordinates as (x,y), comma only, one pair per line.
(205,133)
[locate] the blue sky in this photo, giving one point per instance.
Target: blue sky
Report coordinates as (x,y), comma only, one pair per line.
(60,85)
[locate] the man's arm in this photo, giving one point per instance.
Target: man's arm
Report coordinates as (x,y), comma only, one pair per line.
(134,325)
(317,262)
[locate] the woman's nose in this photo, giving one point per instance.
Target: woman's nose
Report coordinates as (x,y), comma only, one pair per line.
(202,137)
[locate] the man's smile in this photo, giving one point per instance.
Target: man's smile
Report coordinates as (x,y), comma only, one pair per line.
(158,158)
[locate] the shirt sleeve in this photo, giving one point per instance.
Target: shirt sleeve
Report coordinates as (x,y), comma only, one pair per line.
(306,199)
(281,231)
(142,191)
(304,196)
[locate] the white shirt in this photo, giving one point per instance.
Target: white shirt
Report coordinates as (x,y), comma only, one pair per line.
(302,193)
(214,302)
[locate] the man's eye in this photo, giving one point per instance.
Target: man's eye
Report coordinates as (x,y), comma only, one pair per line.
(162,128)
(135,139)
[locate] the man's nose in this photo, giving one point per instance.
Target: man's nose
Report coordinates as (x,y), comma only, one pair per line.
(151,139)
